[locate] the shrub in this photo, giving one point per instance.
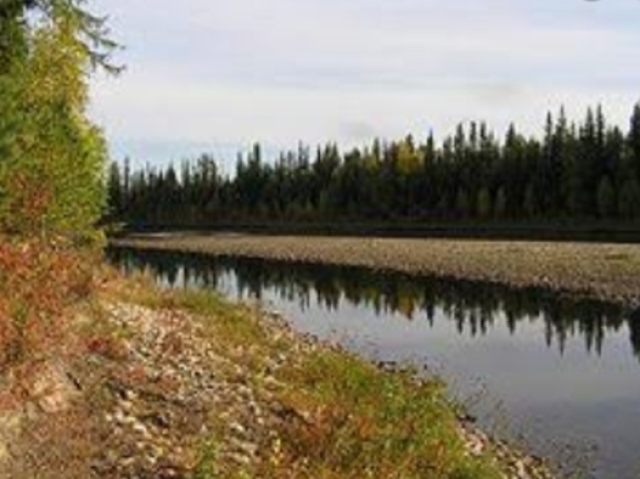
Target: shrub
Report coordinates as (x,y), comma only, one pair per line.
(38,281)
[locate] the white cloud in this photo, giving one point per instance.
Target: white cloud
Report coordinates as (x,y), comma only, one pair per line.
(159,106)
(283,70)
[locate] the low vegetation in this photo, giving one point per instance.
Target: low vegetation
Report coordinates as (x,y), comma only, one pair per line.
(52,193)
(315,411)
(39,283)
(159,383)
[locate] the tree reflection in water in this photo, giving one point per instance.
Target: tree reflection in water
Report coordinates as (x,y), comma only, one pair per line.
(475,307)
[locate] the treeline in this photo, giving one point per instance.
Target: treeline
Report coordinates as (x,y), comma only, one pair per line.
(586,170)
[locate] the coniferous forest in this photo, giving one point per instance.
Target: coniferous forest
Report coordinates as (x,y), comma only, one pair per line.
(582,171)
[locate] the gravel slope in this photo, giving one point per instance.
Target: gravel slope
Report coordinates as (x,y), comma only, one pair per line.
(161,385)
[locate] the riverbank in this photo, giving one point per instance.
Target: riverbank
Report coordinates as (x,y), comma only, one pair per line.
(183,384)
(608,272)
(592,231)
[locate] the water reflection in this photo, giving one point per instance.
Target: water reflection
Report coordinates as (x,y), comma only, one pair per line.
(475,308)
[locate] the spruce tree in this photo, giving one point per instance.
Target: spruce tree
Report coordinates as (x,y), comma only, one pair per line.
(629,199)
(484,203)
(634,138)
(500,207)
(606,198)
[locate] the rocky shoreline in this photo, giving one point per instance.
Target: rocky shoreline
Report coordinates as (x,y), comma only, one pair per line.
(148,399)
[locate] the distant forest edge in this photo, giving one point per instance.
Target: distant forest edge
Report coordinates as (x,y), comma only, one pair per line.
(580,179)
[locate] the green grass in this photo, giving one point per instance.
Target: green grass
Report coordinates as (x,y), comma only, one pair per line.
(340,417)
(370,423)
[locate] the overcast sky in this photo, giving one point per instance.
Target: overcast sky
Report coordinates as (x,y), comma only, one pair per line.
(216,75)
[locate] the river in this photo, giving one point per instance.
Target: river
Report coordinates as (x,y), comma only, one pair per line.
(557,375)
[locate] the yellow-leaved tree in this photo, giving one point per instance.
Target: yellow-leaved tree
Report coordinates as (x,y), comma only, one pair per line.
(52,161)
(52,158)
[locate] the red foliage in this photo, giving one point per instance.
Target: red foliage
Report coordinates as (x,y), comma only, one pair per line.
(30,198)
(38,281)
(109,347)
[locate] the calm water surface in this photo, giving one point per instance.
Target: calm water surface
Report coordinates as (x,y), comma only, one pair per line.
(560,376)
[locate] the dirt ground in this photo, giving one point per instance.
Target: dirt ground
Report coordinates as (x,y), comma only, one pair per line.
(602,271)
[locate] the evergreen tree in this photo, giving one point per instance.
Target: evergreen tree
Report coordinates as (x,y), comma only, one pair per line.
(13,41)
(115,192)
(484,203)
(462,203)
(634,138)
(606,198)
(629,199)
(530,206)
(500,207)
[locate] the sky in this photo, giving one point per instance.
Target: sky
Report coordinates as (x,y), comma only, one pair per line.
(217,75)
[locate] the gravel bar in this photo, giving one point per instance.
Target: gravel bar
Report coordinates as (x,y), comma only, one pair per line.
(603,271)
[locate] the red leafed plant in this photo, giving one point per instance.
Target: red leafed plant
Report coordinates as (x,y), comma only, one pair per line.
(39,280)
